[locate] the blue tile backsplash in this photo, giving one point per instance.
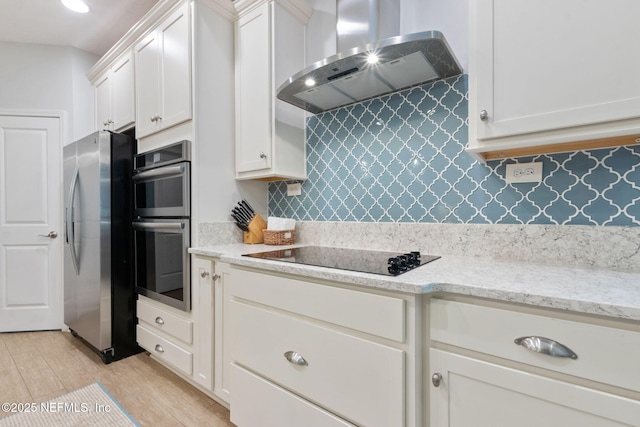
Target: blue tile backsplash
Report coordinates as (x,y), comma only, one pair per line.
(401,158)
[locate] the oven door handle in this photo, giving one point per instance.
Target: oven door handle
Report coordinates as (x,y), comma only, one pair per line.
(139,225)
(162,172)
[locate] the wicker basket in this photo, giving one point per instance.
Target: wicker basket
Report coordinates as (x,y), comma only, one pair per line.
(279,237)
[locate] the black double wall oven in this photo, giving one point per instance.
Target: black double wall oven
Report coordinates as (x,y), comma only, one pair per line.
(162,188)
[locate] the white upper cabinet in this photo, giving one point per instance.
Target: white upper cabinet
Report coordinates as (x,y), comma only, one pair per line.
(103,101)
(546,73)
(163,75)
(270,139)
(115,105)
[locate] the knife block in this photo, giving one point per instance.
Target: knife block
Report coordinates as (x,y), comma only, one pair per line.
(254,235)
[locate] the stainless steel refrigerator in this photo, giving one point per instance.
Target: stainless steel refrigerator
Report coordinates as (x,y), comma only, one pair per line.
(99,291)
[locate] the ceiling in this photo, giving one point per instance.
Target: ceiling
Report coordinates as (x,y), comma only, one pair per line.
(49,22)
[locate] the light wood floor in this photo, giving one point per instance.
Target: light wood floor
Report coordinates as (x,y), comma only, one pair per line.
(38,366)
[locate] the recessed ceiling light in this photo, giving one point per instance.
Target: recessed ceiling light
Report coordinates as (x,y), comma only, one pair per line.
(76,5)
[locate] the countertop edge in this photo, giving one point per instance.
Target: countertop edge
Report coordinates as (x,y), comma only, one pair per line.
(562,288)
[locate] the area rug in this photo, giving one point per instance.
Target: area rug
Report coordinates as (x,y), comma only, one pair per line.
(88,406)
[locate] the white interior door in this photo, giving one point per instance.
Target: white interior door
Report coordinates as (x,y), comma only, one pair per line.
(30,224)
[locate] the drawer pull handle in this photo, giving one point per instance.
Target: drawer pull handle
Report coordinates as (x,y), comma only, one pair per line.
(159,348)
(295,358)
(159,320)
(436,379)
(546,346)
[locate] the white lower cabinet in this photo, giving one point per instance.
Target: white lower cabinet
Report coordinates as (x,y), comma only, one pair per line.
(477,393)
(194,344)
(480,376)
(165,350)
(165,333)
(259,402)
(210,308)
(298,359)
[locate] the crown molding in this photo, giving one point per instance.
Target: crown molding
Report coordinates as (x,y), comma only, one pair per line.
(301,9)
(143,27)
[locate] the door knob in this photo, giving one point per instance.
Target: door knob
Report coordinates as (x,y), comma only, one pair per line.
(51,235)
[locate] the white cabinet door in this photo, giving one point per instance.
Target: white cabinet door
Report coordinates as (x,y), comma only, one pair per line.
(175,65)
(254,97)
(163,75)
(123,93)
(115,107)
(222,353)
(553,66)
(147,84)
(103,102)
(480,394)
(203,310)
(270,138)
(259,402)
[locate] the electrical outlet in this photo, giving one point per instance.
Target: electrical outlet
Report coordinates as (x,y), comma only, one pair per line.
(294,189)
(523,172)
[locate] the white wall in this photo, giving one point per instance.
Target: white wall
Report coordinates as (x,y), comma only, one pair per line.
(44,77)
(450,17)
(321,31)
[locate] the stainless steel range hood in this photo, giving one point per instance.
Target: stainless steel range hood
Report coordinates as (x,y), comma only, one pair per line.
(351,76)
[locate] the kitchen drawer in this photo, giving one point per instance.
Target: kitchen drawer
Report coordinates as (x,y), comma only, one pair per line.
(604,354)
(162,320)
(379,315)
(357,379)
(165,350)
(258,402)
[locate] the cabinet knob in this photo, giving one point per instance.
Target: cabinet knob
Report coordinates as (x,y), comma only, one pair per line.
(159,348)
(262,155)
(105,123)
(153,118)
(159,320)
(295,358)
(205,273)
(546,346)
(436,379)
(484,116)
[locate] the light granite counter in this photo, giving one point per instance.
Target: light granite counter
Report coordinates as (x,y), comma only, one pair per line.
(596,291)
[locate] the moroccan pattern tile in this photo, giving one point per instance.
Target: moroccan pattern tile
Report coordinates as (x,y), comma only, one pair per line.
(401,158)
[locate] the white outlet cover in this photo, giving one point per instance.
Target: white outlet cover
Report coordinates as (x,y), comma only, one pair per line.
(294,189)
(523,172)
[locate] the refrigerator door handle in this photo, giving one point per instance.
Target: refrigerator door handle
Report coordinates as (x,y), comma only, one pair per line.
(69,232)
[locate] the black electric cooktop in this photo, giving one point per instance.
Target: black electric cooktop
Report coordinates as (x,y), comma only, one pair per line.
(376,262)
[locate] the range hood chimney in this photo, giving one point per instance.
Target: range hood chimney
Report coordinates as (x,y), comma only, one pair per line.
(373,59)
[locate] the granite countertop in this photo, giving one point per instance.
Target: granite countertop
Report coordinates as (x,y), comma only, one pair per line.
(585,290)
